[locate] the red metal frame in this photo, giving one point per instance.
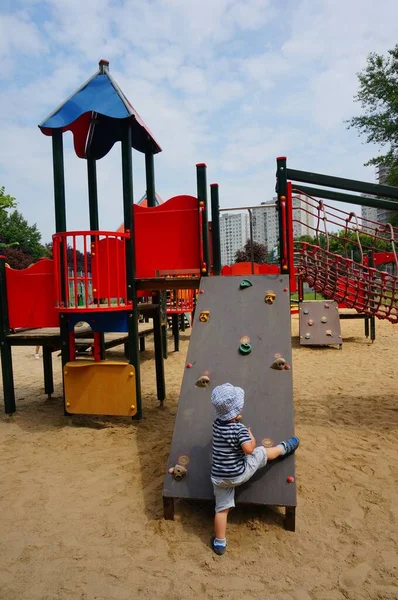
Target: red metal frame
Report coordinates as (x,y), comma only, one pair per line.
(245,268)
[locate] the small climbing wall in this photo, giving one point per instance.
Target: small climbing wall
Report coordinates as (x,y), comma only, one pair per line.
(241,334)
(319,323)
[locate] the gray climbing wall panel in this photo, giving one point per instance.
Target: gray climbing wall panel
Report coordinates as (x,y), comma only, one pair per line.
(234,315)
(319,323)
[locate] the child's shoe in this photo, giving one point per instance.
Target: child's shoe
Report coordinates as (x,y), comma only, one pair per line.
(216,547)
(290,445)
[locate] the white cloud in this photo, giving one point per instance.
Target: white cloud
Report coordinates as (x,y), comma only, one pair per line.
(232,83)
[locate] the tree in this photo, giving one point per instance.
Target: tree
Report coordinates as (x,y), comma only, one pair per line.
(394,219)
(17,258)
(15,230)
(260,253)
(378,96)
(6,201)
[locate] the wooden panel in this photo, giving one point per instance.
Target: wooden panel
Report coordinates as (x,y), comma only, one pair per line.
(319,323)
(100,388)
(213,350)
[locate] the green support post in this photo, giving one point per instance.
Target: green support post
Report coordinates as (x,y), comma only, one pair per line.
(59,181)
(158,343)
(150,179)
(202,197)
(64,334)
(92,193)
(48,371)
(6,355)
(94,218)
(372,319)
(128,200)
(176,332)
(281,189)
(215,231)
(163,317)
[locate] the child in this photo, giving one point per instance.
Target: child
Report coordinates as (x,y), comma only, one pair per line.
(235,456)
(37,353)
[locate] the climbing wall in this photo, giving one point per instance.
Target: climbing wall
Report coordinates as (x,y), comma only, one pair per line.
(319,323)
(241,334)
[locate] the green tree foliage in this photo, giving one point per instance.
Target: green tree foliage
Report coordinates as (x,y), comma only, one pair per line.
(15,230)
(394,219)
(260,253)
(17,258)
(378,96)
(348,243)
(6,201)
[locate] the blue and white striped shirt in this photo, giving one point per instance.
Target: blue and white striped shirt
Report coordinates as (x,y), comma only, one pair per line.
(228,457)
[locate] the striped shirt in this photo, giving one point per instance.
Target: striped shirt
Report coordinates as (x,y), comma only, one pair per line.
(228,459)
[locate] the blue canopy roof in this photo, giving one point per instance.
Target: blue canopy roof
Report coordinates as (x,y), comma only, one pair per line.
(96,114)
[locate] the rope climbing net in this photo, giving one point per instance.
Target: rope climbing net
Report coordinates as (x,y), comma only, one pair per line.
(340,255)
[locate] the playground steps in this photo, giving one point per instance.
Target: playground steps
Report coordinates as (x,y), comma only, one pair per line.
(227,316)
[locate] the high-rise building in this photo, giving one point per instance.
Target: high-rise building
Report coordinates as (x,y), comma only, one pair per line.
(303,217)
(371,213)
(234,233)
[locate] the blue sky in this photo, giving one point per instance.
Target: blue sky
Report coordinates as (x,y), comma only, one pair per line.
(233,83)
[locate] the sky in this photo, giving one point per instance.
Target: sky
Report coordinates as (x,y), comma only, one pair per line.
(232,83)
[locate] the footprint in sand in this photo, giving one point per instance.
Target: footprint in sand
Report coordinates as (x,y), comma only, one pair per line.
(354,577)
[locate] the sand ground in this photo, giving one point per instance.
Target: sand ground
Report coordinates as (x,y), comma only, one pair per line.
(81,505)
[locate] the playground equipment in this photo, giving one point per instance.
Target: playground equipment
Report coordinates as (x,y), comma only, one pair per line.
(348,279)
(253,352)
(147,257)
(319,323)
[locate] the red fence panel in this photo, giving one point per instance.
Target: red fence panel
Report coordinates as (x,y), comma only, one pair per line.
(31,296)
(168,238)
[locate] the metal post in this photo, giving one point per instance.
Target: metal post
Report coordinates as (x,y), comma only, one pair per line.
(150,179)
(128,200)
(215,231)
(6,355)
(251,239)
(65,354)
(48,371)
(59,181)
(158,343)
(92,193)
(176,331)
(202,197)
(372,319)
(281,189)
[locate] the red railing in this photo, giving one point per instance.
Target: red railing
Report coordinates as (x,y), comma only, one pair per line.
(90,270)
(180,302)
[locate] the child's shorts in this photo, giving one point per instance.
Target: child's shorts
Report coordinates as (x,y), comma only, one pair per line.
(224,489)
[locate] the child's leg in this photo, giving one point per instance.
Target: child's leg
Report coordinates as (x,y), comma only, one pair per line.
(220,524)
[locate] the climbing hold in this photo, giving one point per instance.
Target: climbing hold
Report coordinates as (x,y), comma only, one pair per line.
(245,348)
(305,311)
(326,305)
(287,367)
(324,320)
(245,339)
(284,268)
(329,332)
(246,283)
(201,291)
(269,297)
(202,381)
(310,322)
(178,472)
(279,364)
(204,316)
(307,336)
(267,443)
(189,365)
(290,479)
(285,289)
(183,460)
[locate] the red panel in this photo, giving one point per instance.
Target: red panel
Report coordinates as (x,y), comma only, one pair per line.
(108,268)
(245,268)
(31,296)
(167,237)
